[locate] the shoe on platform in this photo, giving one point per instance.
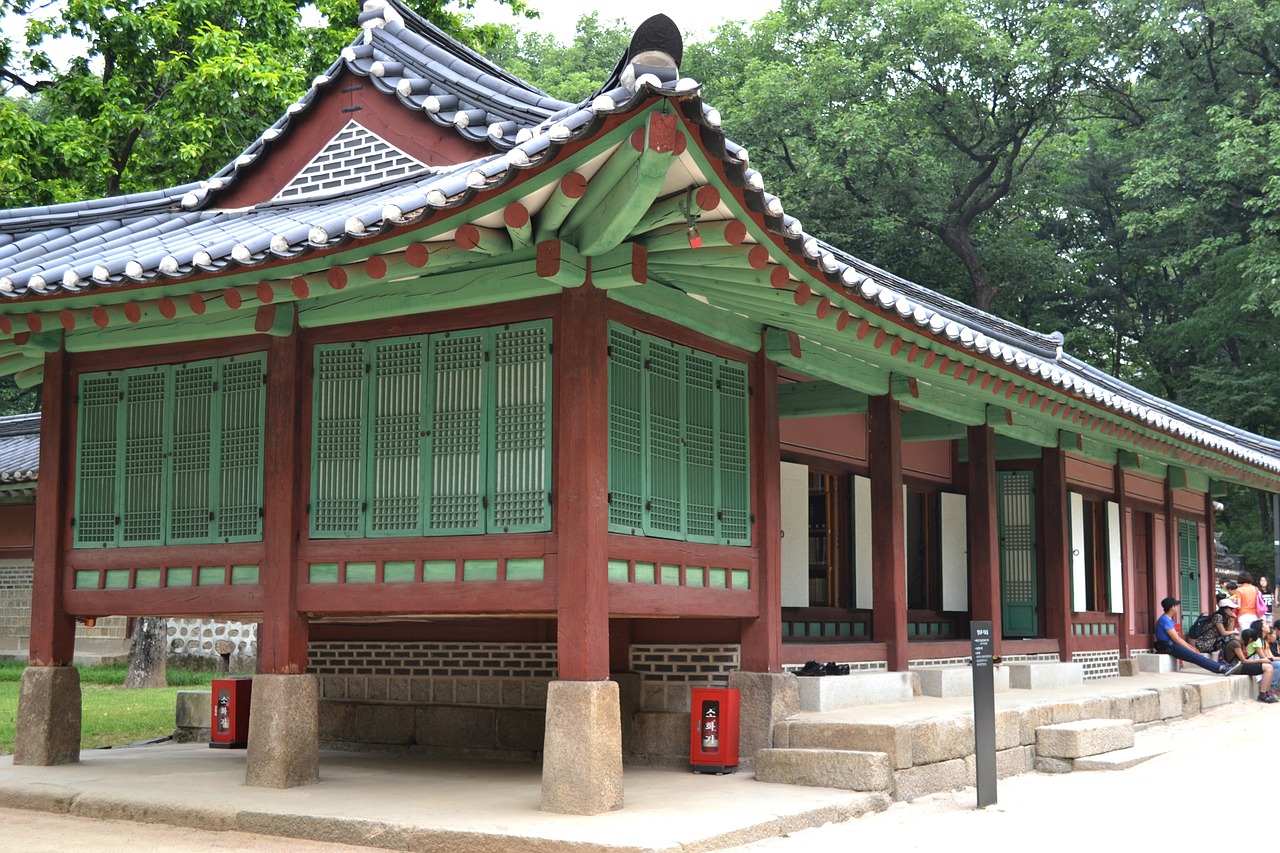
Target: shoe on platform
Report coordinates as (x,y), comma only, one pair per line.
(1233,668)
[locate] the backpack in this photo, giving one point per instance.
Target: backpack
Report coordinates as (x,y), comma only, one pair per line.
(1197,629)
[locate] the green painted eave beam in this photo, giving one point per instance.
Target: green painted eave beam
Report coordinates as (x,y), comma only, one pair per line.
(1188,478)
(634,193)
(816,361)
(938,400)
(922,426)
(819,399)
(662,301)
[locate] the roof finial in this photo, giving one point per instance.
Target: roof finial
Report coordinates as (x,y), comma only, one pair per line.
(656,51)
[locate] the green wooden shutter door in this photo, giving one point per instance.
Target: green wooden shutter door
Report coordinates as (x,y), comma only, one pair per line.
(146,422)
(458,432)
(242,418)
(626,433)
(97,464)
(1015,504)
(700,407)
(190,499)
(733,457)
(395,488)
(665,498)
(338,408)
(520,470)
(1189,569)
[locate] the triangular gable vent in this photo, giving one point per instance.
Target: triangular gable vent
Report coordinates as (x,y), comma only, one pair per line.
(354,158)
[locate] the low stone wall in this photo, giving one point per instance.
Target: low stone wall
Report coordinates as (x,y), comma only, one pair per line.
(930,756)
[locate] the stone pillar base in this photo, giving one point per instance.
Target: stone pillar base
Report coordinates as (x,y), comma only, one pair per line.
(582,748)
(767,699)
(48,716)
(284,732)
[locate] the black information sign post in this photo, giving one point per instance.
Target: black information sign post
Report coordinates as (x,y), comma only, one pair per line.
(984,711)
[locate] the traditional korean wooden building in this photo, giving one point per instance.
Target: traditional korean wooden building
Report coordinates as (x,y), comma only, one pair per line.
(474,399)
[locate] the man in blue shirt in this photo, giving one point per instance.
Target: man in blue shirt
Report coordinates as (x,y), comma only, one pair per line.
(1170,642)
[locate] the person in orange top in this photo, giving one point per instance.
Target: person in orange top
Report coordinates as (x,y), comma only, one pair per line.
(1247,594)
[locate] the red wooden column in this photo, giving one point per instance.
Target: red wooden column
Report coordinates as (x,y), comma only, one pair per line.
(762,636)
(1127,628)
(983,523)
(1173,567)
(888,550)
(53,632)
(1057,562)
(1208,572)
(582,484)
(282,640)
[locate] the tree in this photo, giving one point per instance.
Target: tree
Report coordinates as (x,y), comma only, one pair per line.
(147,653)
(888,119)
(165,91)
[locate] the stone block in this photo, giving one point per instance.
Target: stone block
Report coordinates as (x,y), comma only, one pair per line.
(1033,718)
(1045,676)
(1190,700)
(48,724)
(1169,698)
(833,692)
(941,740)
(931,779)
(284,728)
(893,741)
(1120,759)
(1095,708)
(1156,663)
(826,768)
(1009,762)
(193,709)
(1069,712)
(661,735)
(582,748)
(455,726)
(355,722)
(1129,667)
(949,681)
(1054,765)
(1085,737)
(765,699)
(519,729)
(1009,729)
(1141,706)
(1218,691)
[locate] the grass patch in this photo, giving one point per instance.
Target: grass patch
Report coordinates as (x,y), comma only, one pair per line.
(109,714)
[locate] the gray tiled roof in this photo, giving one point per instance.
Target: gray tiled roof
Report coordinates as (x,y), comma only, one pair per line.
(19,448)
(181,233)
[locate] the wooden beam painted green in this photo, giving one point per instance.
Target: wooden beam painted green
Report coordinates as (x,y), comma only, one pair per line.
(623,266)
(1022,428)
(732,257)
(819,399)
(601,186)
(922,426)
(618,214)
(819,362)
(40,343)
(462,289)
(663,301)
(1217,489)
(1128,460)
(29,378)
(170,332)
(676,237)
(1009,449)
(1188,478)
(938,400)
(16,362)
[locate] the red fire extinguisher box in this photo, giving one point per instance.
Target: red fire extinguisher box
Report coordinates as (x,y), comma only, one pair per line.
(229,728)
(713,733)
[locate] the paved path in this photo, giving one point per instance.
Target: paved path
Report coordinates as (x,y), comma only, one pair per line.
(1090,812)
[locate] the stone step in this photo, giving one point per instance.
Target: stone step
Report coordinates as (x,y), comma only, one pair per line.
(1083,738)
(1159,663)
(833,692)
(1120,759)
(826,768)
(1028,675)
(948,681)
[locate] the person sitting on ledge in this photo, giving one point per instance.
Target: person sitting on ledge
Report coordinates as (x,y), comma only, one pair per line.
(1171,643)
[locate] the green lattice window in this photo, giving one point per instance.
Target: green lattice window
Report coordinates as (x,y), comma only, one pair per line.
(437,434)
(679,465)
(171,454)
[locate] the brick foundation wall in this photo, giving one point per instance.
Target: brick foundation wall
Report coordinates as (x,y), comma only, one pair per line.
(1104,664)
(106,638)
